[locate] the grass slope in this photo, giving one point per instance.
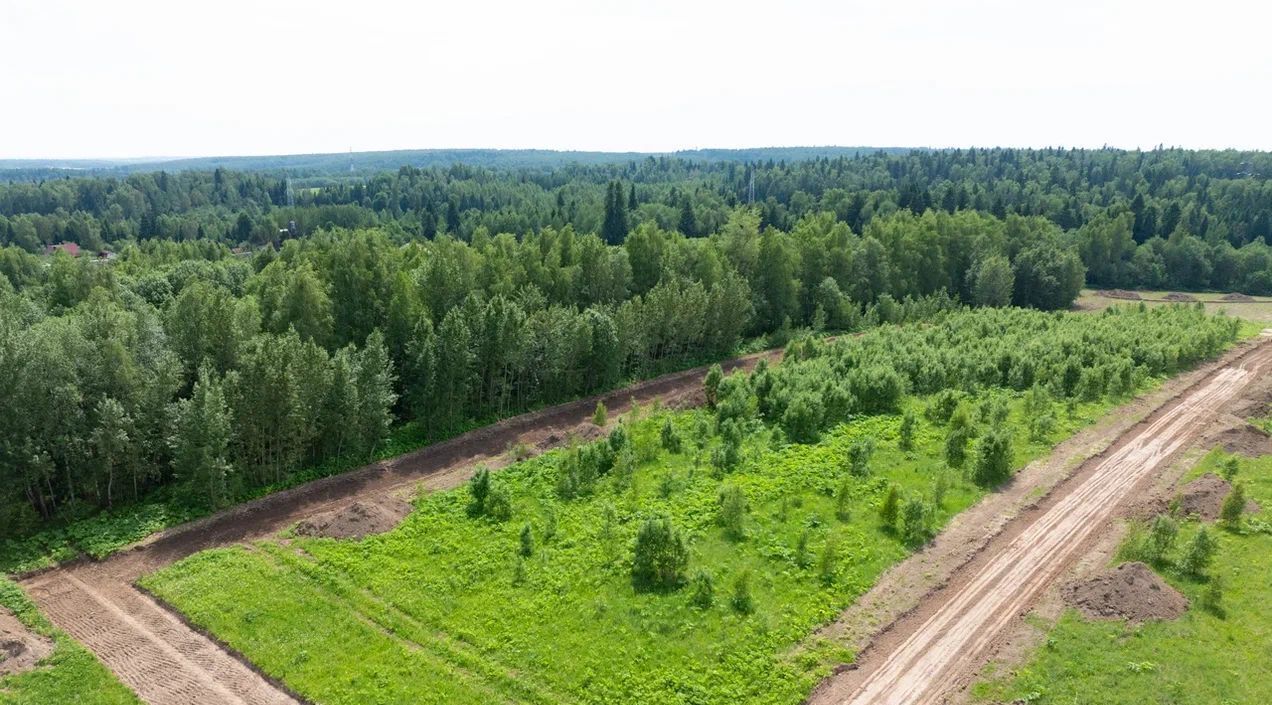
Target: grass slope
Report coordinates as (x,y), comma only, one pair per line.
(438,611)
(1206,657)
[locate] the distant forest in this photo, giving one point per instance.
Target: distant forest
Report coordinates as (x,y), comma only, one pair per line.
(1161,219)
(245,330)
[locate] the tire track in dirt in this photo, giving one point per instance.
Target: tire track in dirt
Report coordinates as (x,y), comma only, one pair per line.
(921,658)
(168,662)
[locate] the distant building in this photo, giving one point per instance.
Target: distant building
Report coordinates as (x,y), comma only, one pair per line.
(69,248)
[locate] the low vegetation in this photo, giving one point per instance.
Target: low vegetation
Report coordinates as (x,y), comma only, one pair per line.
(69,675)
(1217,653)
(688,556)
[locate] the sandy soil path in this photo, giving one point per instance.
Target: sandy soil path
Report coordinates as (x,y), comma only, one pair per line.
(923,657)
(167,662)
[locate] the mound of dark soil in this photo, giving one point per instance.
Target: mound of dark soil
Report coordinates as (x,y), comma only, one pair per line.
(583,433)
(1130,591)
(1119,294)
(355,521)
(1176,296)
(1242,298)
(689,399)
(1203,497)
(1243,438)
(20,649)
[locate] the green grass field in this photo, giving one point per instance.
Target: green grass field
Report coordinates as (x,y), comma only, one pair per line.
(70,675)
(438,611)
(1207,657)
(1258,311)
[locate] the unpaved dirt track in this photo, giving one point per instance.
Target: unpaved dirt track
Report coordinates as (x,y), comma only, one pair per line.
(919,660)
(166,662)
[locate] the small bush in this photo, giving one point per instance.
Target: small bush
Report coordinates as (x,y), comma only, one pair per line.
(891,508)
(479,492)
(828,564)
(905,437)
(701,590)
(731,511)
(1160,540)
(1199,553)
(670,439)
(741,600)
(498,504)
(993,458)
(843,500)
(1233,507)
(601,415)
(660,556)
(915,520)
(859,454)
(527,541)
(1229,469)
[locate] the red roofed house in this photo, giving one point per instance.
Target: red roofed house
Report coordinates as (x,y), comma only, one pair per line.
(69,248)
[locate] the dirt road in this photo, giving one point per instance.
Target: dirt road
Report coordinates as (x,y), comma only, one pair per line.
(922,657)
(167,662)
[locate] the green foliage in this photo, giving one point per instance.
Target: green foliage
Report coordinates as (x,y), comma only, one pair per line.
(1229,469)
(435,594)
(701,590)
(479,491)
(1233,506)
(905,435)
(601,415)
(890,509)
(1198,554)
(993,458)
(1161,539)
(741,600)
(670,438)
(859,454)
(527,541)
(732,511)
(915,522)
(659,556)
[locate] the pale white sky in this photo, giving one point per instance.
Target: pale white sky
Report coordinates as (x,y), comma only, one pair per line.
(118,78)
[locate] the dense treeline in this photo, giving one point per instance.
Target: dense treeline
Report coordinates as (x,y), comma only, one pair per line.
(181,364)
(1165,218)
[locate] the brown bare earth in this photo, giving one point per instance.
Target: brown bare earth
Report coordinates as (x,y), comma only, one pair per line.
(1241,298)
(357,520)
(934,648)
(1119,294)
(167,662)
(20,649)
(1131,591)
(1176,297)
(1203,497)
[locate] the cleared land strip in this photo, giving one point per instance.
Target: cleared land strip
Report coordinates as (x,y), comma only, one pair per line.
(166,662)
(953,631)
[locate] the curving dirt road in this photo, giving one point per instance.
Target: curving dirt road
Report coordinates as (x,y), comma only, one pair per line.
(167,662)
(923,657)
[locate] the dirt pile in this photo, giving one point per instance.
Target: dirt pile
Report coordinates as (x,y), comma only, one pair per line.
(583,433)
(1119,294)
(1239,298)
(20,649)
(1176,296)
(355,521)
(1130,591)
(1203,497)
(1234,435)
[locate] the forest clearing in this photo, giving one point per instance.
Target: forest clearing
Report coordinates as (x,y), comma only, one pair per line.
(811,535)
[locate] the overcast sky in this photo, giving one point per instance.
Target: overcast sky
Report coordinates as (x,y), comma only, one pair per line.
(131,78)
